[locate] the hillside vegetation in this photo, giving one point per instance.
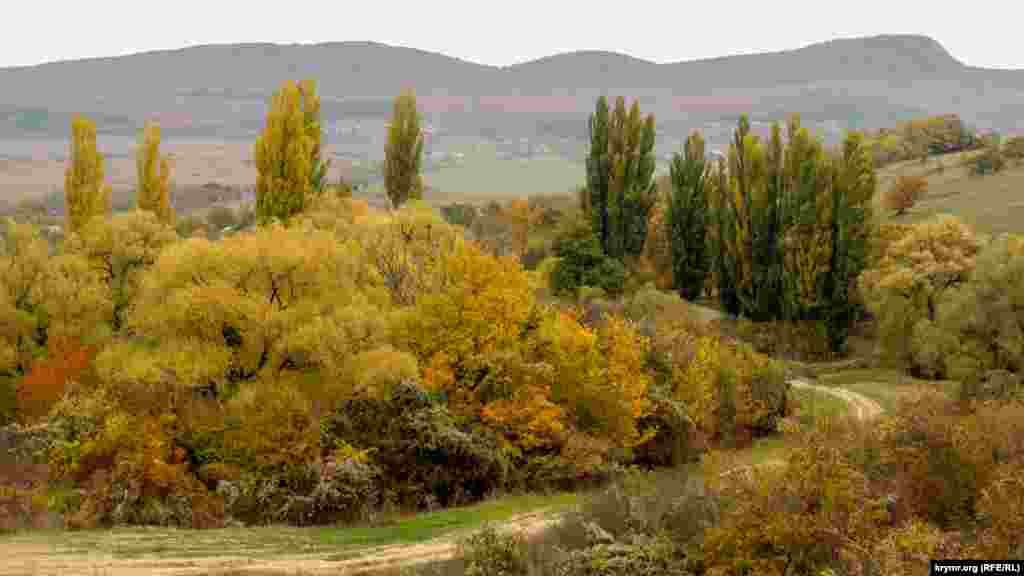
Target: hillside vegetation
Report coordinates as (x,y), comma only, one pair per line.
(325,362)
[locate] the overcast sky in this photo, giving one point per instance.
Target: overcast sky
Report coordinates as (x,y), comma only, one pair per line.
(978,33)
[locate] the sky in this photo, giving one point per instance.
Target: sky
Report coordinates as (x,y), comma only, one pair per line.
(501,33)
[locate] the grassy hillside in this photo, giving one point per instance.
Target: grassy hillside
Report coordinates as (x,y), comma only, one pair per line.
(990,204)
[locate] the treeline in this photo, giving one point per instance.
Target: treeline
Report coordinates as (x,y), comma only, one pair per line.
(776,231)
(332,361)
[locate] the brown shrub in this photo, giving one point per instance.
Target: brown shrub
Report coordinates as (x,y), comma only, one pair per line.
(905,192)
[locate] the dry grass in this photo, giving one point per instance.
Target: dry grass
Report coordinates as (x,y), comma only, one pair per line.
(990,204)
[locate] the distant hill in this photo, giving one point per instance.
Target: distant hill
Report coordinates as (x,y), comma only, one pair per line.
(221,91)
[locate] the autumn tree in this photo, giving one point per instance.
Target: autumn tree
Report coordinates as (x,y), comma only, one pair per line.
(404,151)
(229,312)
(23,265)
(686,218)
(977,326)
(86,194)
(912,275)
(120,249)
(288,153)
(905,192)
(791,227)
(519,217)
(154,176)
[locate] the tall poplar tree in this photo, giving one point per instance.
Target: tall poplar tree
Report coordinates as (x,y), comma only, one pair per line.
(404,151)
(86,194)
(598,172)
(687,218)
(154,176)
(288,153)
(620,177)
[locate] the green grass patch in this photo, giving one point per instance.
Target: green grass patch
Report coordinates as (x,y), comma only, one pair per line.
(885,386)
(271,541)
(813,406)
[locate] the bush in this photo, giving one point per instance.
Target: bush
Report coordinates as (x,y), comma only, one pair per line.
(341,488)
(423,455)
(125,469)
(647,557)
(491,553)
(582,263)
(221,217)
(978,327)
(905,192)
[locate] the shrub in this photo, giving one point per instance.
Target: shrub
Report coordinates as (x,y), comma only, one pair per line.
(491,553)
(340,488)
(977,329)
(221,217)
(419,448)
(905,192)
(582,263)
(647,557)
(125,469)
(915,269)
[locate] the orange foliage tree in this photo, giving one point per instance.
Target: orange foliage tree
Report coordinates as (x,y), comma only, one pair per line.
(905,192)
(47,380)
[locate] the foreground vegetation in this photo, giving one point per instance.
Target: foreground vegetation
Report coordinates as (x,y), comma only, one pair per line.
(332,364)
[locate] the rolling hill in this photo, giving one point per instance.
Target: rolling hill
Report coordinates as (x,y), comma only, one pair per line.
(220,91)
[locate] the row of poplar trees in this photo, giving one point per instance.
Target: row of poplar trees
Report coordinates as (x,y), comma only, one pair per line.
(777,230)
(288,156)
(289,153)
(86,192)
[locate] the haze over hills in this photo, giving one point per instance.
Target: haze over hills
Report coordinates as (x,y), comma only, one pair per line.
(220,91)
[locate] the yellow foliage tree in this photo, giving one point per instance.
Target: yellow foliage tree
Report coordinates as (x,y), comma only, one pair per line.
(154,176)
(23,265)
(120,249)
(288,153)
(246,298)
(86,194)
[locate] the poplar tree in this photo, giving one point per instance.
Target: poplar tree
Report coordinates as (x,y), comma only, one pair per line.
(403,152)
(86,194)
(154,176)
(631,186)
(620,177)
(687,217)
(595,194)
(288,153)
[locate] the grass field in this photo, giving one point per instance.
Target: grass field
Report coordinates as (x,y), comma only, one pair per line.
(484,174)
(991,204)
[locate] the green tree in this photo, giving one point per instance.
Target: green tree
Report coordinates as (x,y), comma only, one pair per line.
(404,151)
(594,197)
(687,218)
(154,176)
(86,195)
(791,227)
(631,181)
(288,153)
(620,177)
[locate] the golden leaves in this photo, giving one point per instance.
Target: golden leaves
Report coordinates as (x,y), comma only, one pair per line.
(86,194)
(154,176)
